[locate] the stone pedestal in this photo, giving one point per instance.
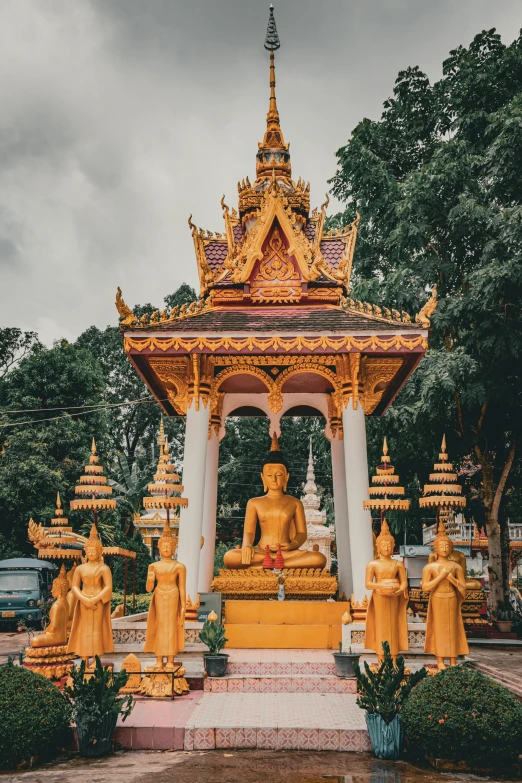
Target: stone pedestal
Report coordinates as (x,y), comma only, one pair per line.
(354,633)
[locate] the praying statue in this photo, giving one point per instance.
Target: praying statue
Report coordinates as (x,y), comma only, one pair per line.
(165,624)
(56,631)
(386,618)
(91,632)
(444,580)
(282,521)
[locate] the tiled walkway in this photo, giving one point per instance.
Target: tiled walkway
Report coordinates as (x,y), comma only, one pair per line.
(311,721)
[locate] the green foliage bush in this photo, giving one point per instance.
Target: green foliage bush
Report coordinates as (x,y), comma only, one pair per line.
(462,715)
(142,601)
(383,692)
(213,635)
(34,717)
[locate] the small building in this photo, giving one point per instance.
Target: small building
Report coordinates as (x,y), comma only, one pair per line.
(150,524)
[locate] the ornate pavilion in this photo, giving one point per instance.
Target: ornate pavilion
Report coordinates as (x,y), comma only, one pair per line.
(275,333)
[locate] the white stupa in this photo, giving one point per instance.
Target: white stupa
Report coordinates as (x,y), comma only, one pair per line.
(320,537)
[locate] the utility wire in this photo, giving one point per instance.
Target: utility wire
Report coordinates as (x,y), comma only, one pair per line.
(84,413)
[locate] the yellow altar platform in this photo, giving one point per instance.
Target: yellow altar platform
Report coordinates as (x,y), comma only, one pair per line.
(284,624)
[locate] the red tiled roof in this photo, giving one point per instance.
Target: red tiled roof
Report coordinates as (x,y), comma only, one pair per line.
(332,251)
(238,233)
(309,230)
(215,253)
(282,319)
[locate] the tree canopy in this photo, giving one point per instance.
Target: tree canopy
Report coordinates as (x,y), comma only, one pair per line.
(438,183)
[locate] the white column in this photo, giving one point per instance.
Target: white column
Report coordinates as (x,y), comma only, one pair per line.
(191,517)
(206,559)
(342,534)
(356,465)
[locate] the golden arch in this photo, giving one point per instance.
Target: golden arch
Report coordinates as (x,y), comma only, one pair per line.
(308,367)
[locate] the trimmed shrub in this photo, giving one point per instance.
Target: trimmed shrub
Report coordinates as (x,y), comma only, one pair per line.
(142,601)
(461,715)
(34,717)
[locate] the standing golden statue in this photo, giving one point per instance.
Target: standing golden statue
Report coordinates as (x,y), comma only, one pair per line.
(444,580)
(91,632)
(282,521)
(165,623)
(386,618)
(56,631)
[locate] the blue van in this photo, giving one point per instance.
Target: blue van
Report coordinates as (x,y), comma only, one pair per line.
(25,584)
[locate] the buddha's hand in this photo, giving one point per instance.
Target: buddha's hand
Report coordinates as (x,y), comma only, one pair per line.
(246,554)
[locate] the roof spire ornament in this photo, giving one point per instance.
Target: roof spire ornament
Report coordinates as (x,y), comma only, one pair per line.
(273,156)
(385,494)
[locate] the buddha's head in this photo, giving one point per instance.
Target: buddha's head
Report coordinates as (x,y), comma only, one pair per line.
(166,544)
(60,584)
(443,545)
(93,546)
(385,541)
(275,473)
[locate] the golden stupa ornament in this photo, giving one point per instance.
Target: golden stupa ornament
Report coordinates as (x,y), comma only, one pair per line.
(92,488)
(164,491)
(58,541)
(385,492)
(443,493)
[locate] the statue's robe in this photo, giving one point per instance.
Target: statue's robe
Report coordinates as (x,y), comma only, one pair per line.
(165,630)
(445,635)
(386,621)
(91,632)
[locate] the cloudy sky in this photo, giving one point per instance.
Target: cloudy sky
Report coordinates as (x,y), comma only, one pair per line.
(121,117)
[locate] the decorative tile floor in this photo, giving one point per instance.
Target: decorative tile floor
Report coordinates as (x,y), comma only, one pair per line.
(301,721)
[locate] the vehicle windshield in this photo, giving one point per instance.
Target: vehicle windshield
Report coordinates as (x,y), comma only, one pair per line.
(12,581)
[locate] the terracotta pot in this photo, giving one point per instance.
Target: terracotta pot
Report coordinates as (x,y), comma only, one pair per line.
(216,665)
(504,626)
(344,664)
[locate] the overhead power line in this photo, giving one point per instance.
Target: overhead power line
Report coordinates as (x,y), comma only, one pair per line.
(76,415)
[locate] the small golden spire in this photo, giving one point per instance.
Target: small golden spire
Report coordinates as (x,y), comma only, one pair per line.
(385,446)
(161,436)
(275,443)
(93,446)
(443,445)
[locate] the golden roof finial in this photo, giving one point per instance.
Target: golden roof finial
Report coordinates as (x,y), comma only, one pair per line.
(443,445)
(93,447)
(273,140)
(385,446)
(275,443)
(58,501)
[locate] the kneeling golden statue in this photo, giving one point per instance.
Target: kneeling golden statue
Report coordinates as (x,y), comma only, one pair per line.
(282,521)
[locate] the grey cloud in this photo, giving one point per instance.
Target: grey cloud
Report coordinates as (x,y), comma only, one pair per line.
(120,117)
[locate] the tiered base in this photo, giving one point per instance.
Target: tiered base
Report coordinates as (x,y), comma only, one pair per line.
(305,584)
(51,662)
(161,682)
(291,625)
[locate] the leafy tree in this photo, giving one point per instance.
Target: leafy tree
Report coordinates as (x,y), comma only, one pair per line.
(130,485)
(14,346)
(438,184)
(45,447)
(185,293)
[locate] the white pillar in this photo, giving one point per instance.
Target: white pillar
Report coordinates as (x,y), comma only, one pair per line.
(206,560)
(191,517)
(342,534)
(356,465)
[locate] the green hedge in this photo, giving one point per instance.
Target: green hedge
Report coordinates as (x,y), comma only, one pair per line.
(460,714)
(142,602)
(34,717)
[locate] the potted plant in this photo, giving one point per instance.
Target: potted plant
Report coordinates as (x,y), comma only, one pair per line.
(344,661)
(381,694)
(96,704)
(213,635)
(504,616)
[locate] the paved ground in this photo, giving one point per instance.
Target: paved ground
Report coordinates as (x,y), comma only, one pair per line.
(235,767)
(508,660)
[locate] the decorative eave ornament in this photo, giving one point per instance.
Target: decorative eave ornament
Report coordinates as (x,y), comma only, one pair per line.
(423,317)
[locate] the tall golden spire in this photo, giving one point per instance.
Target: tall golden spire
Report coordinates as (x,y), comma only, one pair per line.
(273,157)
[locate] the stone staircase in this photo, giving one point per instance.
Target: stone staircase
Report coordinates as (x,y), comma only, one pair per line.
(511,681)
(279,676)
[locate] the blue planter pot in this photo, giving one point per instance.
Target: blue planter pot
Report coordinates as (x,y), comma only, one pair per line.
(93,744)
(385,738)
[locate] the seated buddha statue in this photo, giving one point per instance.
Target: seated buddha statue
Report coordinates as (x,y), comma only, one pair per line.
(56,631)
(282,521)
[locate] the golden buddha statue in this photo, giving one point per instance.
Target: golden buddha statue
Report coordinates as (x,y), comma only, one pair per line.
(71,598)
(444,580)
(386,619)
(56,631)
(91,632)
(282,521)
(165,623)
